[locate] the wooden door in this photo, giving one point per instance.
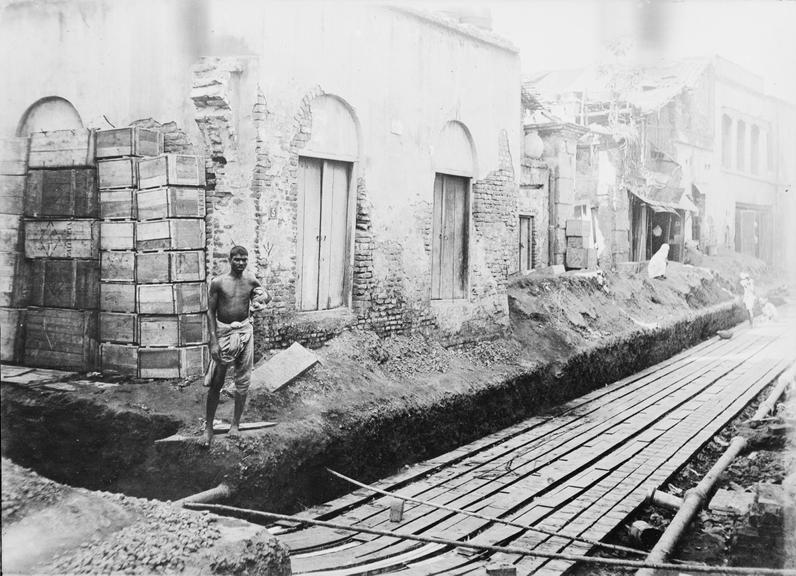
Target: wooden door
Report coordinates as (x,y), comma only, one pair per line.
(526,243)
(450,237)
(323,204)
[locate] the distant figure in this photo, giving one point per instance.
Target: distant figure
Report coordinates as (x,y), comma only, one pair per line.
(230,300)
(749,297)
(657,266)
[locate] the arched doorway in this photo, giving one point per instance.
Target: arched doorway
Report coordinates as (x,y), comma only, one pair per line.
(50,113)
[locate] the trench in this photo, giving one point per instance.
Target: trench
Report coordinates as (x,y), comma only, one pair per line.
(81,442)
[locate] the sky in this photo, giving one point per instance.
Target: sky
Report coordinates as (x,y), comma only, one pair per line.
(760,35)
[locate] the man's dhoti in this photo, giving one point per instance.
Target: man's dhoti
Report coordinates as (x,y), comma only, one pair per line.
(237,347)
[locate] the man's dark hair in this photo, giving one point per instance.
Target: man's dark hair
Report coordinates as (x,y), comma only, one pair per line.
(238,250)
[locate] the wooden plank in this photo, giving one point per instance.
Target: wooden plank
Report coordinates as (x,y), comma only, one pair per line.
(12,194)
(171,234)
(460,238)
(14,156)
(118,173)
(64,283)
(283,368)
(119,358)
(525,243)
(170,202)
(117,204)
(117,266)
(338,232)
(436,237)
(448,262)
(130,141)
(182,298)
(61,149)
(324,260)
(60,338)
(222,428)
(117,235)
(171,170)
(118,327)
(117,296)
(12,334)
(61,193)
(62,239)
(310,171)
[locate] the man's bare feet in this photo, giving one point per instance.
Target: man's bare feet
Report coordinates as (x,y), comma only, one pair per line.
(207,441)
(233,431)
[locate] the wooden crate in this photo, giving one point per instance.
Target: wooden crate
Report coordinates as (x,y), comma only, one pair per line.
(120,327)
(119,358)
(131,141)
(10,232)
(575,242)
(182,298)
(61,193)
(591,258)
(117,235)
(580,228)
(61,239)
(117,266)
(61,338)
(117,204)
(64,283)
(170,202)
(183,362)
(118,173)
(61,149)
(171,170)
(173,330)
(14,156)
(576,258)
(12,280)
(12,194)
(117,297)
(171,234)
(162,267)
(12,334)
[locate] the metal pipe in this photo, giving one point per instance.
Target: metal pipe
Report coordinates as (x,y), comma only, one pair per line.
(663,499)
(220,492)
(696,497)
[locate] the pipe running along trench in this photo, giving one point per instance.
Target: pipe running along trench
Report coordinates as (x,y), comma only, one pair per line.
(696,497)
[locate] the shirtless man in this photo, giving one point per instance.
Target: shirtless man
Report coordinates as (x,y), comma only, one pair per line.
(230,300)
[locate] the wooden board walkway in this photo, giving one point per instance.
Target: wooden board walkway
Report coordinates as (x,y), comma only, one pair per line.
(580,471)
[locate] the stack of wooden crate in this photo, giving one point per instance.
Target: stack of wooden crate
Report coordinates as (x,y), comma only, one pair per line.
(13,166)
(61,250)
(579,254)
(153,295)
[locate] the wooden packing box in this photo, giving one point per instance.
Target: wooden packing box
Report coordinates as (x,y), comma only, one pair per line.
(117,235)
(12,334)
(575,242)
(117,297)
(64,193)
(580,228)
(161,267)
(183,362)
(62,239)
(576,258)
(170,202)
(173,330)
(64,283)
(171,170)
(12,194)
(61,149)
(182,298)
(119,358)
(131,141)
(117,204)
(14,156)
(118,173)
(12,279)
(171,234)
(591,258)
(121,327)
(117,266)
(10,232)
(60,338)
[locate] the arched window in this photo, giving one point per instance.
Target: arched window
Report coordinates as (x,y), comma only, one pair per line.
(50,113)
(455,165)
(754,145)
(325,205)
(726,141)
(740,152)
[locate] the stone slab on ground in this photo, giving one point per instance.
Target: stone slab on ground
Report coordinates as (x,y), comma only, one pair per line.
(283,368)
(217,429)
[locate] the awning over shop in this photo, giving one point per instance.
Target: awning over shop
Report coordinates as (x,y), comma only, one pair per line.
(663,199)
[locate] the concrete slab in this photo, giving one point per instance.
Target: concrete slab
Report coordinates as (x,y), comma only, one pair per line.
(283,368)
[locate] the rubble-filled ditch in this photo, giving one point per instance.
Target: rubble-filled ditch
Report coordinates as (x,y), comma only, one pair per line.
(373,405)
